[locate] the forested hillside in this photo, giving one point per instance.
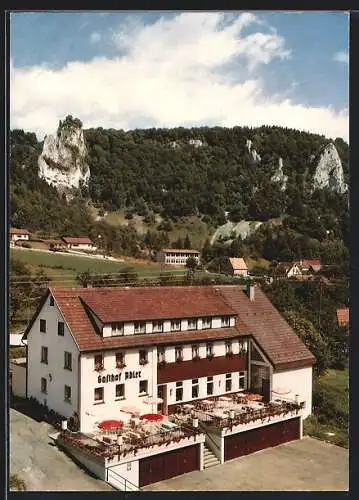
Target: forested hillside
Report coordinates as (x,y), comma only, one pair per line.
(208,173)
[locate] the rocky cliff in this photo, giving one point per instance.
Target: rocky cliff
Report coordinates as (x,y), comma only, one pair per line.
(329,171)
(62,162)
(279,176)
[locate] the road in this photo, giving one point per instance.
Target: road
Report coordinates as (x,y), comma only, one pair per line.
(39,462)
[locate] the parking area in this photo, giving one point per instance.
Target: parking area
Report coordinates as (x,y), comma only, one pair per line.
(306,465)
(40,463)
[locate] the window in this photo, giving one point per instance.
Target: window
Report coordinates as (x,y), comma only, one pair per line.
(157,326)
(67,394)
(140,327)
(242,380)
(98,395)
(143,357)
(228,382)
(68,361)
(98,362)
(179,391)
(52,302)
(160,355)
(228,347)
(143,387)
(176,325)
(44,355)
(225,321)
(116,329)
(195,351)
(120,391)
(120,360)
(209,350)
(178,354)
(206,323)
(192,324)
(43,385)
(195,388)
(43,325)
(60,328)
(209,385)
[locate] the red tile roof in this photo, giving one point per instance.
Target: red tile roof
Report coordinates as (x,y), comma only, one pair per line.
(77,241)
(14,230)
(281,345)
(343,316)
(311,262)
(238,264)
(147,303)
(258,318)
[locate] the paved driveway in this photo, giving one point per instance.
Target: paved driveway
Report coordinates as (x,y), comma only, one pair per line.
(308,464)
(42,465)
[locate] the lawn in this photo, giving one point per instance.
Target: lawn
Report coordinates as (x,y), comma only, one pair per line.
(329,420)
(63,268)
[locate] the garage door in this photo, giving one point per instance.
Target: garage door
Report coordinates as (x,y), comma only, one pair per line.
(167,465)
(248,442)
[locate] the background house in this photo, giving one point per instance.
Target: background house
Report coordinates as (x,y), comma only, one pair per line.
(343,316)
(310,265)
(177,256)
(80,243)
(239,267)
(18,235)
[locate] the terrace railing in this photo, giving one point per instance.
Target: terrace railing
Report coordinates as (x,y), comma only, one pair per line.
(249,415)
(131,443)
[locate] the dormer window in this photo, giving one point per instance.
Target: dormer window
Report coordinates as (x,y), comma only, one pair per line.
(175,325)
(157,326)
(192,324)
(140,327)
(116,329)
(225,321)
(206,323)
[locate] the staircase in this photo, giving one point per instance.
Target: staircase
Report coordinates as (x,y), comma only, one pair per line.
(210,459)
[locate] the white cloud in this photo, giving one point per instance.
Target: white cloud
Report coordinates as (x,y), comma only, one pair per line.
(95,37)
(169,74)
(341,57)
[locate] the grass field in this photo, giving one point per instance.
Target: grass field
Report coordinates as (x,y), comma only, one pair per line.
(329,420)
(63,268)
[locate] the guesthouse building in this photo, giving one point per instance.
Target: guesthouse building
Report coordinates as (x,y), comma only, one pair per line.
(175,352)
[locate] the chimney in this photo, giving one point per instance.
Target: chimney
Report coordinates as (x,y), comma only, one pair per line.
(250,290)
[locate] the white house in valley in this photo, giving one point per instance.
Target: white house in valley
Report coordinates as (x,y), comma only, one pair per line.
(239,267)
(177,256)
(18,235)
(79,243)
(195,357)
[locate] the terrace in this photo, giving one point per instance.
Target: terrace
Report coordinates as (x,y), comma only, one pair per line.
(237,410)
(133,437)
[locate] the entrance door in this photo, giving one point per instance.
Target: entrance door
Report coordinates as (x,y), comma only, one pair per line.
(162,393)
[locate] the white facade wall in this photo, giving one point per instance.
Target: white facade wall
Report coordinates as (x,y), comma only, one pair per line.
(240,272)
(21,237)
(81,246)
(92,412)
(18,377)
(129,471)
(299,381)
(57,377)
(219,388)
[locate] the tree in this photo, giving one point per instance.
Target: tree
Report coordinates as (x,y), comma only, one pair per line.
(312,339)
(187,242)
(191,265)
(85,278)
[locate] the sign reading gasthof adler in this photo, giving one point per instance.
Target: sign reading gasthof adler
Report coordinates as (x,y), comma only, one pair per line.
(117,376)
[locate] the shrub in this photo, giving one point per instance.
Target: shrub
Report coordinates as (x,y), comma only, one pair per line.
(17,483)
(26,245)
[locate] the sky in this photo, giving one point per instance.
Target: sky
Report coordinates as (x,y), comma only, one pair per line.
(127,70)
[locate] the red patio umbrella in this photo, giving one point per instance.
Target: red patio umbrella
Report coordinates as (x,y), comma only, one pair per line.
(108,425)
(152,417)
